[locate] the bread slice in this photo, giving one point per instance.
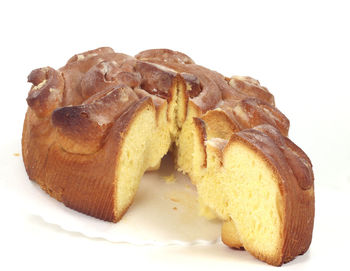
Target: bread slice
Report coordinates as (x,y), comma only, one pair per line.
(250,184)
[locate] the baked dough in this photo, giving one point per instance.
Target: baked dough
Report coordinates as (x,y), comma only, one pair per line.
(94,126)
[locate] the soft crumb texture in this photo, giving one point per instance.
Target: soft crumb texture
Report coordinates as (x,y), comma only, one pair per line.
(245,190)
(140,153)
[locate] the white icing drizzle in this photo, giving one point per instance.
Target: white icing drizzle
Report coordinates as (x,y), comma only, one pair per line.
(161,67)
(217,142)
(40,85)
(82,57)
(240,113)
(53,90)
(123,96)
(105,67)
(100,119)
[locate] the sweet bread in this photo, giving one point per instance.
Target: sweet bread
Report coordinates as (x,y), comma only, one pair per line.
(94,126)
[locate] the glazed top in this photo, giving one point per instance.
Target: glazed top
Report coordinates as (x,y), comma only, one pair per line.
(95,87)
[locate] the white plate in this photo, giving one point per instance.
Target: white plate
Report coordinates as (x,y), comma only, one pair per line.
(163,213)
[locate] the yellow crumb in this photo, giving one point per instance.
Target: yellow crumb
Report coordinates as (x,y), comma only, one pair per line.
(206,212)
(16,154)
(170,179)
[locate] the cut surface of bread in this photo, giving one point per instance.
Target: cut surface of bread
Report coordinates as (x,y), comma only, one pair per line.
(95,126)
(245,190)
(134,158)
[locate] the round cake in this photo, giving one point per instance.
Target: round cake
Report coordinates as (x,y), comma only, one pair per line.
(96,125)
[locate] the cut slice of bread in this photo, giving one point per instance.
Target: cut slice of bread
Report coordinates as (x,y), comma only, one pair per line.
(249,184)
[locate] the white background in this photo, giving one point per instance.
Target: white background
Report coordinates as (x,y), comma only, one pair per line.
(300,50)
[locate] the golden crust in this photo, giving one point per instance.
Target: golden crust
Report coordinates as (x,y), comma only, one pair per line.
(87,182)
(82,128)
